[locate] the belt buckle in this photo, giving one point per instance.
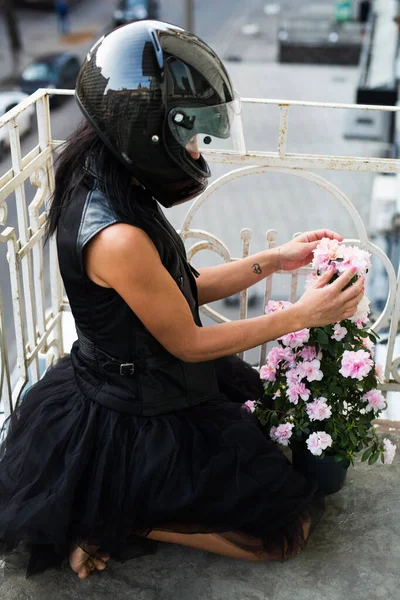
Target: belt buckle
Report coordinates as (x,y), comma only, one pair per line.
(126,369)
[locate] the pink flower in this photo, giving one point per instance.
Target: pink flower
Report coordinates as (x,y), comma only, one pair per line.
(278,354)
(297,390)
(325,440)
(294,375)
(296,338)
(288,356)
(339,332)
(389,451)
(319,441)
(354,257)
(250,405)
(312,371)
(318,410)
(274,305)
(274,357)
(362,312)
(379,373)
(375,400)
(300,370)
(356,364)
(326,251)
(282,433)
(268,373)
(369,345)
(310,352)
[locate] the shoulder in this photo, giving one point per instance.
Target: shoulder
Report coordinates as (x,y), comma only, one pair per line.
(118,252)
(122,241)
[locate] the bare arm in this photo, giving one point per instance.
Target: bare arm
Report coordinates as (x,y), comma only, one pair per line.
(124,258)
(227,279)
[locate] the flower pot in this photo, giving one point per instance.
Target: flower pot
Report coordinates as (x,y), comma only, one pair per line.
(329,474)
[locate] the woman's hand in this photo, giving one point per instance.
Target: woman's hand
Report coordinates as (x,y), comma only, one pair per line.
(324,304)
(299,251)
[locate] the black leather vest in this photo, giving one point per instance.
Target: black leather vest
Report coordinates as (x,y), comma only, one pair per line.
(117,362)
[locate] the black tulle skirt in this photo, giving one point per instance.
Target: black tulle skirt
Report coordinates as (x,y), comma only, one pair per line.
(72,470)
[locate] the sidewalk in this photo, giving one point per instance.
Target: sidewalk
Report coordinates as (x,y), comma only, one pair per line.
(38,28)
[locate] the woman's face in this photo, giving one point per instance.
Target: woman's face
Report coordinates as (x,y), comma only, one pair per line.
(193,148)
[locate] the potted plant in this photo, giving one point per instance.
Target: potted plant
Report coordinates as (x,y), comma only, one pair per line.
(321,384)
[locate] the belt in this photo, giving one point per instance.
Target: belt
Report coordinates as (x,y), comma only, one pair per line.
(124,369)
(111,364)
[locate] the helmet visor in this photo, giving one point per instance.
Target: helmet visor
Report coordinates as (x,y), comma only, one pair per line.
(209,127)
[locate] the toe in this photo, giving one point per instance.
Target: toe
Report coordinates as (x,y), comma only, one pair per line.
(99,564)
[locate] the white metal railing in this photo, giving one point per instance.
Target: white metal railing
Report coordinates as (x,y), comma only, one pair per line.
(36,320)
(282,158)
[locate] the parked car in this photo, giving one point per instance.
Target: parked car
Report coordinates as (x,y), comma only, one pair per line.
(59,70)
(41,4)
(128,11)
(9,99)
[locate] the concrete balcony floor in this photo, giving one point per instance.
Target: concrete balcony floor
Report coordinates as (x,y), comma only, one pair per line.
(354,554)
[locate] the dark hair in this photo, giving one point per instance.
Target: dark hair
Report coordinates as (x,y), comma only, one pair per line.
(84,142)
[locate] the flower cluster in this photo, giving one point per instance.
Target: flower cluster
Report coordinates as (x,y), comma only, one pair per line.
(321,383)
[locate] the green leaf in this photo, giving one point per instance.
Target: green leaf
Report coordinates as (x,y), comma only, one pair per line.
(361,431)
(274,419)
(338,458)
(261,416)
(367,454)
(373,335)
(322,337)
(352,438)
(373,458)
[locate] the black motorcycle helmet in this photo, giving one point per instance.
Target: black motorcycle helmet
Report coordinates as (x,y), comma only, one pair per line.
(149,89)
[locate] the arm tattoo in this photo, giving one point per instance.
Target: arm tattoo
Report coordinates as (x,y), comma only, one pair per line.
(257,269)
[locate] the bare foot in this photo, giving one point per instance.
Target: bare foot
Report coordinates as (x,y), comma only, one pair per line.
(306,525)
(84,563)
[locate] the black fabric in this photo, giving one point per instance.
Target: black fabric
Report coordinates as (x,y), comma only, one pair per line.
(74,470)
(238,380)
(99,458)
(104,319)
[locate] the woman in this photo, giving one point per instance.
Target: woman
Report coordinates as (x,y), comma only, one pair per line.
(140,432)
